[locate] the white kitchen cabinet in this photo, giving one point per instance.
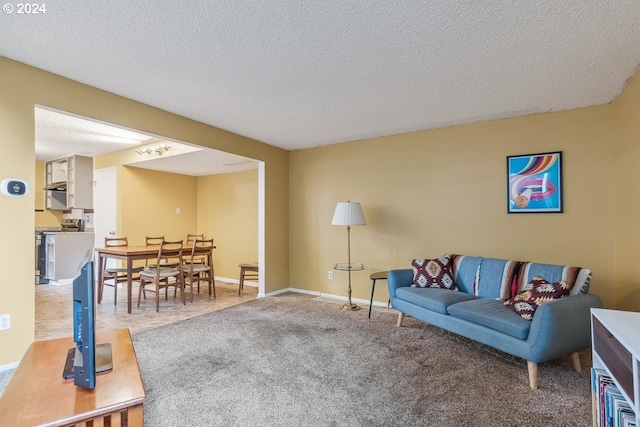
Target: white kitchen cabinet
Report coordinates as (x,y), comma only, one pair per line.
(69,183)
(65,251)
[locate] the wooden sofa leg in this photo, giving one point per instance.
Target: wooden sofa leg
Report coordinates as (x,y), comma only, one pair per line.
(400,317)
(533,374)
(575,359)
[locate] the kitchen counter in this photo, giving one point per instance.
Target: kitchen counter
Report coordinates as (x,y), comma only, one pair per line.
(65,252)
(67,232)
(47,229)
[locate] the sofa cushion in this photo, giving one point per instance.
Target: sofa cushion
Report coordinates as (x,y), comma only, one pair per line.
(433,273)
(491,314)
(434,299)
(577,276)
(465,271)
(486,277)
(536,293)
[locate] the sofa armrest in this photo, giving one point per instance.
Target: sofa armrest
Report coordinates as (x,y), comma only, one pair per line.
(398,279)
(562,327)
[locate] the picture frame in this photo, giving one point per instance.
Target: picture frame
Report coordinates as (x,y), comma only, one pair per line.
(534,183)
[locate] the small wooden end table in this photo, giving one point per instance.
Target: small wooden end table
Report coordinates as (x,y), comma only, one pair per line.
(37,395)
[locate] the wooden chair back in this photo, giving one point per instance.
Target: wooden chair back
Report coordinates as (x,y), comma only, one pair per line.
(115,241)
(201,249)
(153,240)
(193,237)
(170,253)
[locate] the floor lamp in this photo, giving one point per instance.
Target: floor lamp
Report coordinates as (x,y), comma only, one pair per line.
(348,213)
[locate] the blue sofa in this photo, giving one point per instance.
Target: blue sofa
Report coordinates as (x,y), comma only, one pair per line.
(558,328)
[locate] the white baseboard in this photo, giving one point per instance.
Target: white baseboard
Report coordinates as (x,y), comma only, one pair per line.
(235,281)
(324,295)
(303,291)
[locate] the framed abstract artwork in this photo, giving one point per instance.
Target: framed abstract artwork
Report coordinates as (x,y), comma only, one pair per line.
(534,183)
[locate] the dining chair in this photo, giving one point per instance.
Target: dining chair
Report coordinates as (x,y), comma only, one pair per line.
(198,266)
(115,274)
(191,238)
(248,270)
(160,277)
(157,240)
(149,240)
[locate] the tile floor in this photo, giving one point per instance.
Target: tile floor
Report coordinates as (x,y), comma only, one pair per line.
(54,308)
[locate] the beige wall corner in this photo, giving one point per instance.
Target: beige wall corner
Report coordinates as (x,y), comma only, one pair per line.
(626,131)
(228,213)
(445,191)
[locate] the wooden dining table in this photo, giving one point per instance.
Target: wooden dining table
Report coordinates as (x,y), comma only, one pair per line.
(128,254)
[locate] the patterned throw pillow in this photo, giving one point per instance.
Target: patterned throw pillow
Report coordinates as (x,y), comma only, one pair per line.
(433,273)
(536,293)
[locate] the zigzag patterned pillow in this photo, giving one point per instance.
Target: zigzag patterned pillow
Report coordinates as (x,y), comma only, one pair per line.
(433,273)
(536,293)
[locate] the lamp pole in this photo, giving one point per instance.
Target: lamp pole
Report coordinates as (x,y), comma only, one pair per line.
(350,304)
(348,214)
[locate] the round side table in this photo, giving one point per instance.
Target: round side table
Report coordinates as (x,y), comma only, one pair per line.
(380,275)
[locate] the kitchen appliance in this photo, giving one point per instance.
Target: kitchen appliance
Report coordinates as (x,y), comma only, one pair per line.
(45,243)
(41,259)
(71,224)
(41,252)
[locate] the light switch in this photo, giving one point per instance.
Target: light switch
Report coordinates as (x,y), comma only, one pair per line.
(177,211)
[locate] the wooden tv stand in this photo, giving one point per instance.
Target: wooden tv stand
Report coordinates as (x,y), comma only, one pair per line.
(37,395)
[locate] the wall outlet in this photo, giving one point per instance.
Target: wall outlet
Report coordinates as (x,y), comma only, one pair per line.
(331,275)
(5,322)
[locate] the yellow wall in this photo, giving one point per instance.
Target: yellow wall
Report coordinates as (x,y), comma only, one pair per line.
(626,132)
(21,89)
(47,217)
(148,201)
(223,207)
(432,192)
(423,193)
(228,212)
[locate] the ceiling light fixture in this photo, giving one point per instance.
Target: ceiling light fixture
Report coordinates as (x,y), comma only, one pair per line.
(158,149)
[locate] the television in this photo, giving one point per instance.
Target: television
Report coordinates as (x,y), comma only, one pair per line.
(86,359)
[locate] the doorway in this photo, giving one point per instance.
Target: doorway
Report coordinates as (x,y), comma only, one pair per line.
(105,204)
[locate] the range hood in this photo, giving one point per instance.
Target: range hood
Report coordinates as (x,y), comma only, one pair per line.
(57,186)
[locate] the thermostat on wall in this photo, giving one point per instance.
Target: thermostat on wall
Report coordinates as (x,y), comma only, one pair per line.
(14,187)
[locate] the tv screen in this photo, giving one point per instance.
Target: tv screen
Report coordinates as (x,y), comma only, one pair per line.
(86,359)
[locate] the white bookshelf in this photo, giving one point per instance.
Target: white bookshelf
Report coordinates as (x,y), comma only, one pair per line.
(615,338)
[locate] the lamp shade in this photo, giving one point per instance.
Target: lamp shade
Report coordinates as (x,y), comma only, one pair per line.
(348,213)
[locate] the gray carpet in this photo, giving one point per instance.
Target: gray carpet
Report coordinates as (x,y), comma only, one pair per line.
(292,361)
(5,376)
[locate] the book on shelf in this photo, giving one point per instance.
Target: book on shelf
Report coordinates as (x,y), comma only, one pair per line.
(610,408)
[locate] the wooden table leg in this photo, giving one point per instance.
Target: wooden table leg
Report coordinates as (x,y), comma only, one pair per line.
(135,416)
(129,282)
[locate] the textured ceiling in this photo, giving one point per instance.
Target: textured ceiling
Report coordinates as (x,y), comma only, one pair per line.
(299,74)
(59,134)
